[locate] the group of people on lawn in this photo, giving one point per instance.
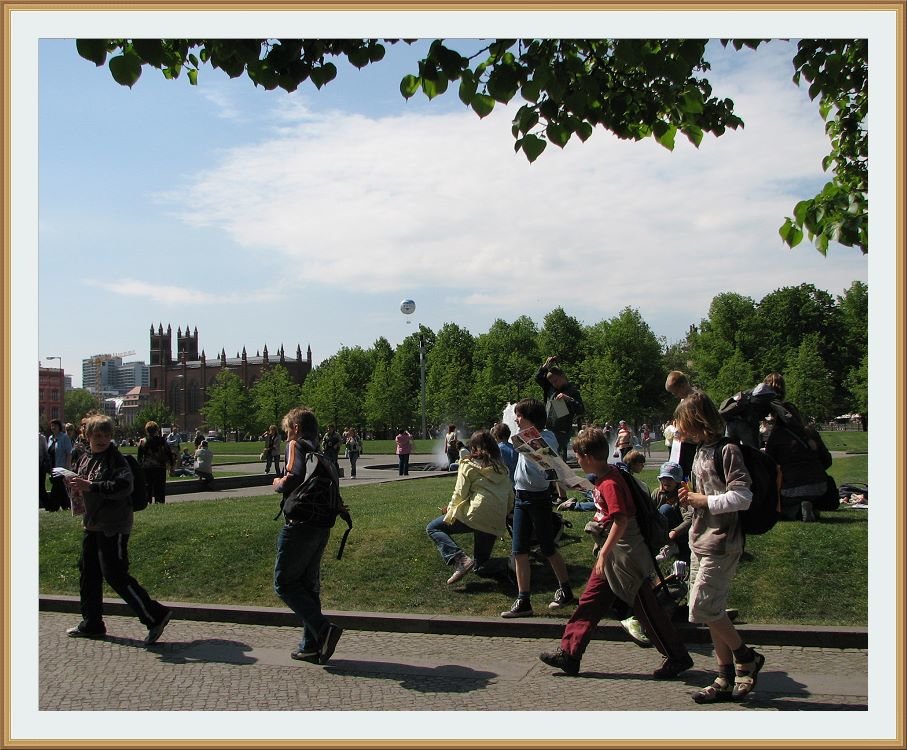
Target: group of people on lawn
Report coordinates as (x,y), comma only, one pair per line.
(492,482)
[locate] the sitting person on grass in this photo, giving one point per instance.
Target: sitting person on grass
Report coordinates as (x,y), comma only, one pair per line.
(481,500)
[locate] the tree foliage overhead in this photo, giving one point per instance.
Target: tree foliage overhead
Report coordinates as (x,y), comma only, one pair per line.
(635,88)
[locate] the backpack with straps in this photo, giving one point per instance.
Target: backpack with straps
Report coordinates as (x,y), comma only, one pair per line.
(653,526)
(139,496)
(765,478)
(316,499)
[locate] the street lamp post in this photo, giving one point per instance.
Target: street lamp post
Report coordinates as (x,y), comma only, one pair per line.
(59,359)
(422,382)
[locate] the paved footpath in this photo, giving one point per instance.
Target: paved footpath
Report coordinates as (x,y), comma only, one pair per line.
(202,666)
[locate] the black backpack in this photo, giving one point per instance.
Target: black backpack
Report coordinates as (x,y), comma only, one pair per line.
(653,525)
(316,499)
(139,496)
(765,476)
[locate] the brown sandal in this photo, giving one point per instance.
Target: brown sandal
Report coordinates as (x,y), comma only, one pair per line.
(720,690)
(746,674)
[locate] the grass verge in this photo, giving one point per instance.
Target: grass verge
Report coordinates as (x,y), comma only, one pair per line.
(222,551)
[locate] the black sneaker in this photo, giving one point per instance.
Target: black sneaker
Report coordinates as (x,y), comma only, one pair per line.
(154,632)
(520,608)
(81,632)
(329,643)
(670,668)
(561,660)
(562,597)
(310,655)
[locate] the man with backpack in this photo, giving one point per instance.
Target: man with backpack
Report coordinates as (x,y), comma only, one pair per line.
(310,505)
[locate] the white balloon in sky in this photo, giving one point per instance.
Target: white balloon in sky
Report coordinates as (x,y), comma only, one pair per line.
(407,307)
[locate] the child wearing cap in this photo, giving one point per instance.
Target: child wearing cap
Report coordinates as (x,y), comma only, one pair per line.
(670,477)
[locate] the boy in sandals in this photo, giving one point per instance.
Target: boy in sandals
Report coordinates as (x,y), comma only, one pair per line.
(716,543)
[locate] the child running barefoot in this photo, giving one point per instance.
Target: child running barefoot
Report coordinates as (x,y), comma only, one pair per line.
(716,543)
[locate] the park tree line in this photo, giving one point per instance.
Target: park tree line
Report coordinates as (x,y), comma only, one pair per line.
(819,342)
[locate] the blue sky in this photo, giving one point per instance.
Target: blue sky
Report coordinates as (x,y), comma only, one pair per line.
(272,218)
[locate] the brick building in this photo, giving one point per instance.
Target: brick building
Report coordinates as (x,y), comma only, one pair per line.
(182,382)
(51,387)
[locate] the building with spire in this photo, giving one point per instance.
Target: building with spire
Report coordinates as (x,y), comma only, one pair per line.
(182,383)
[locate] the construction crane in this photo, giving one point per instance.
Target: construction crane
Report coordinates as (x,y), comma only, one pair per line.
(99,358)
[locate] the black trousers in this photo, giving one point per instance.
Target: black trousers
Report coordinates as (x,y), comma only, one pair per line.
(106,558)
(156,482)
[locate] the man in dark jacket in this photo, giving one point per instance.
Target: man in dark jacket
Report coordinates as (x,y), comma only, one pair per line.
(563,404)
(101,488)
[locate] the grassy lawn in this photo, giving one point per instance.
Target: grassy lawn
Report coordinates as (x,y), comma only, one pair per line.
(222,551)
(846,440)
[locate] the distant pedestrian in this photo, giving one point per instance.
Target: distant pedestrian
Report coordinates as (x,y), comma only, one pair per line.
(104,488)
(404,443)
(59,451)
(154,456)
(272,450)
(353,449)
(301,544)
(330,446)
(174,442)
(450,444)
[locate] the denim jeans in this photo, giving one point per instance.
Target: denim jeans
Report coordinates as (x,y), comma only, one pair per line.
(440,533)
(404,463)
(353,456)
(297,577)
(272,458)
(530,515)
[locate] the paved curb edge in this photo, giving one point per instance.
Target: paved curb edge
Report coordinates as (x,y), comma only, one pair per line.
(812,636)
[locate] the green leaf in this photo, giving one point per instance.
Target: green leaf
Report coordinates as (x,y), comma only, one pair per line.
(193,76)
(557,134)
(664,134)
(125,69)
(691,102)
(433,87)
(693,134)
(468,87)
(359,57)
(94,50)
(482,104)
(151,51)
(533,147)
(531,90)
(584,131)
(800,211)
(409,85)
(376,53)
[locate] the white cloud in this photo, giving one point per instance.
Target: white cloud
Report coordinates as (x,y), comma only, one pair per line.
(168,294)
(377,204)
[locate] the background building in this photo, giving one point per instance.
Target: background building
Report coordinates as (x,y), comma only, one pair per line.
(182,383)
(106,375)
(51,387)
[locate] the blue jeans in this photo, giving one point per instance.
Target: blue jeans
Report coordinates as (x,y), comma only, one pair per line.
(440,532)
(404,463)
(297,577)
(353,456)
(533,514)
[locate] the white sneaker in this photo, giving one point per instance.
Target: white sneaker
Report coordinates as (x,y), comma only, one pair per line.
(463,565)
